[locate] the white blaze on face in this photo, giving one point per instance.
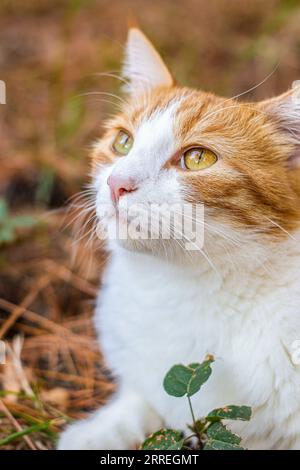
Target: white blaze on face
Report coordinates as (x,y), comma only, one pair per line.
(154,144)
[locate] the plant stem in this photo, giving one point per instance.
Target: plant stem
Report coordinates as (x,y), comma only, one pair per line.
(198,434)
(192,412)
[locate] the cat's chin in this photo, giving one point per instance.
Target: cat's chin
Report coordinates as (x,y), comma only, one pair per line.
(171,250)
(165,250)
(133,246)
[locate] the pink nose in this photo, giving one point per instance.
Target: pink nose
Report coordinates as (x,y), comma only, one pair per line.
(120,185)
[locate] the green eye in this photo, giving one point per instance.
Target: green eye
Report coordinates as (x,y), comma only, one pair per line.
(122,143)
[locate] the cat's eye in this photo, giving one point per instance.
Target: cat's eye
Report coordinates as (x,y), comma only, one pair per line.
(198,158)
(122,143)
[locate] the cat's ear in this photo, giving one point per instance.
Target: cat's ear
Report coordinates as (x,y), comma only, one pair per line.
(285,109)
(143,67)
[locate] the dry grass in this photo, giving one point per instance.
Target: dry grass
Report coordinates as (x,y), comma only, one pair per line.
(53,370)
(50,52)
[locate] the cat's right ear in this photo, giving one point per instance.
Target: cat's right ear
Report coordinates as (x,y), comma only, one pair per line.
(143,67)
(285,109)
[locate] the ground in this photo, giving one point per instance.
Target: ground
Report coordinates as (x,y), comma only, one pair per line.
(53,57)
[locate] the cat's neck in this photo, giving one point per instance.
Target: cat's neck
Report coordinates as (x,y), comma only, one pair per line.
(273,264)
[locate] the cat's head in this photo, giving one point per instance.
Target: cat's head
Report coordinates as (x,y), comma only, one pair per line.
(171,146)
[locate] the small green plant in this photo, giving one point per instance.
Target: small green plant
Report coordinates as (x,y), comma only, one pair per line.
(10,224)
(208,433)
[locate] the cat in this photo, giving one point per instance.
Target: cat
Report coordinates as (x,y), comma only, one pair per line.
(236,297)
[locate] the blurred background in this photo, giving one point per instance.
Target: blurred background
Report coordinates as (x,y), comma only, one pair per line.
(53,56)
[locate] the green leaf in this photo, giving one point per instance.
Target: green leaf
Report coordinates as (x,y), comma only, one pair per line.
(187,380)
(217,431)
(22,221)
(45,186)
(201,375)
(71,118)
(7,234)
(165,439)
(8,224)
(3,209)
(177,379)
(242,413)
(213,444)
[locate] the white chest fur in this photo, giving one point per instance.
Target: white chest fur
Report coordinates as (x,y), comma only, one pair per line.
(152,314)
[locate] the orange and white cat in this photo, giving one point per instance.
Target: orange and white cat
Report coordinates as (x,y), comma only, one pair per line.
(236,297)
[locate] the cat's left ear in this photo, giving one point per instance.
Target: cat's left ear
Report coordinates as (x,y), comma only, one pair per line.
(143,67)
(285,109)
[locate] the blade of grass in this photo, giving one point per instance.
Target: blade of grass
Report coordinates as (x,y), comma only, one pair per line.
(16,424)
(16,435)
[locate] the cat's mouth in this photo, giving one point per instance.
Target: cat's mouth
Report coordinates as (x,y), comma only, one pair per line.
(153,227)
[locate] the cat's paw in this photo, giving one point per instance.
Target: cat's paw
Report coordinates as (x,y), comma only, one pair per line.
(120,425)
(86,435)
